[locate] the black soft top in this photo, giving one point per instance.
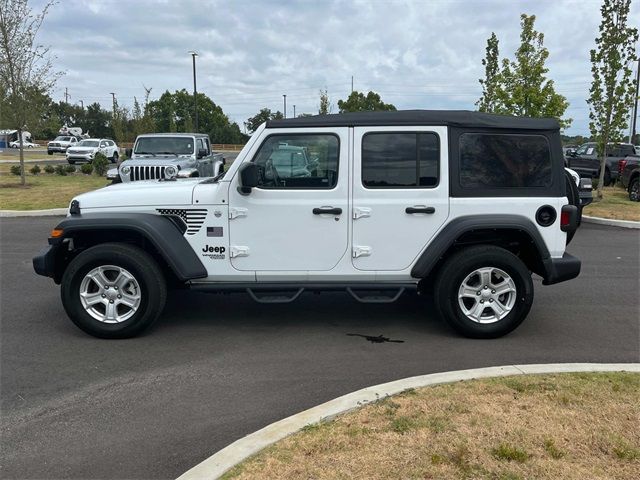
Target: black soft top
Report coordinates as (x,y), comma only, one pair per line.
(452,118)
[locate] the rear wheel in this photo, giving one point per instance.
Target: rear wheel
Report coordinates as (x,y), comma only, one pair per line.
(607,177)
(484,292)
(634,190)
(114,159)
(71,162)
(49,152)
(113,290)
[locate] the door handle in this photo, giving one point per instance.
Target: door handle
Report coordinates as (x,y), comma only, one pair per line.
(327,211)
(412,210)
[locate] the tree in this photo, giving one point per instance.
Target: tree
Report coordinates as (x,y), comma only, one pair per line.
(358,102)
(491,83)
(26,68)
(521,87)
(325,104)
(262,116)
(612,87)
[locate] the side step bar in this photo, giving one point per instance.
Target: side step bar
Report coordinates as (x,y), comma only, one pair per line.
(286,292)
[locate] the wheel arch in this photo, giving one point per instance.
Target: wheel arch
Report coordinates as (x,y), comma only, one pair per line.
(514,233)
(160,236)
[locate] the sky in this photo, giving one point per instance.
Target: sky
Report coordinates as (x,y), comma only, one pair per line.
(415,54)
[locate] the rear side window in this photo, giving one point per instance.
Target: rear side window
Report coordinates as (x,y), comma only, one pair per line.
(504,161)
(400,160)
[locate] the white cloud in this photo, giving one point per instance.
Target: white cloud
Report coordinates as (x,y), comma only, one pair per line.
(416,54)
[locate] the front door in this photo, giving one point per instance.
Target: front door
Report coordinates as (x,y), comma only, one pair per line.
(400,194)
(297,219)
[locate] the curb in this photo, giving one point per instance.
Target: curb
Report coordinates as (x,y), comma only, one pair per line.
(219,463)
(34,213)
(610,222)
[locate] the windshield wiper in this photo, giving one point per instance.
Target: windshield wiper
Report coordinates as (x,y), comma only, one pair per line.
(143,153)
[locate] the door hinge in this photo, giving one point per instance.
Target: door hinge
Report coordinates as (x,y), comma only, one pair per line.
(361,251)
(237,251)
(360,212)
(236,212)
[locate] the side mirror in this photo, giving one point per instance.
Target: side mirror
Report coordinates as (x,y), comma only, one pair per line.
(249,178)
(202,153)
(128,152)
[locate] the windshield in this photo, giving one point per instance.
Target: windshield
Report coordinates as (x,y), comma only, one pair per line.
(586,149)
(88,143)
(164,146)
(63,139)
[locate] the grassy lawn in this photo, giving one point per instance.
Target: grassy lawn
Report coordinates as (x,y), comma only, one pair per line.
(614,204)
(29,155)
(44,190)
(566,426)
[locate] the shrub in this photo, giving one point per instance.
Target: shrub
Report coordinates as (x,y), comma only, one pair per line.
(61,170)
(70,168)
(100,163)
(48,169)
(15,169)
(86,168)
(35,170)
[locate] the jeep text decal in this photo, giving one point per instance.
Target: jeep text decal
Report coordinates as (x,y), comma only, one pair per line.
(216,253)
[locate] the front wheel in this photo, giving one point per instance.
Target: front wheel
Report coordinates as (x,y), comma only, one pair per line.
(113,290)
(114,159)
(484,292)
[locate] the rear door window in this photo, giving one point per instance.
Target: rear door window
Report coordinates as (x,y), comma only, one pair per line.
(504,161)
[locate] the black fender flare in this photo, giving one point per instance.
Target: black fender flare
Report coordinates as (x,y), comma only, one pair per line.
(159,230)
(448,236)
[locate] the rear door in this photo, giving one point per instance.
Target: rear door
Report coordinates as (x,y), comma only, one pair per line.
(400,194)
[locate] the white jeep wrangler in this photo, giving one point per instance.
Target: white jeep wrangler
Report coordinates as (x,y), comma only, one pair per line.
(465,204)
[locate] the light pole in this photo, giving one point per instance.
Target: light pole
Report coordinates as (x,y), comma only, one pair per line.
(294,111)
(285,105)
(195,90)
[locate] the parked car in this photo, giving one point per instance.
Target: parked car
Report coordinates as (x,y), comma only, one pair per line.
(586,162)
(630,176)
(168,155)
(569,149)
(16,144)
(61,143)
(86,150)
(464,204)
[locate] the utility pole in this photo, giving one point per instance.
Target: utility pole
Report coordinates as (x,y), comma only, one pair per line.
(82,104)
(635,105)
(351,83)
(285,105)
(113,100)
(195,90)
(66,95)
(294,110)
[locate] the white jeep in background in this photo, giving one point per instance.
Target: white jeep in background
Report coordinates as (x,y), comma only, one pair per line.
(466,205)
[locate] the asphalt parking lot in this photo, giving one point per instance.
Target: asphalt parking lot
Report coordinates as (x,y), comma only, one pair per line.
(217,367)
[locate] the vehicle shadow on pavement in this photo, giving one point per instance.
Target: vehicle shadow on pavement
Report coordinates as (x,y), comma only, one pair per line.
(411,312)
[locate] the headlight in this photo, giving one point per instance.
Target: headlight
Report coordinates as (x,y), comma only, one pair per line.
(170,171)
(125,169)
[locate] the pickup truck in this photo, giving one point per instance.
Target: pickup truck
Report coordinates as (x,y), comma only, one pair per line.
(629,168)
(586,161)
(166,156)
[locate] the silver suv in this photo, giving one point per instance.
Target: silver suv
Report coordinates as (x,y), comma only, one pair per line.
(166,156)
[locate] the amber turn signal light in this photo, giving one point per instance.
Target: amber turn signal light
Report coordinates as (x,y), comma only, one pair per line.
(56,232)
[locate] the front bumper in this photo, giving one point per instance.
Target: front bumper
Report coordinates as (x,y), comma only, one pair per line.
(57,149)
(45,262)
(561,269)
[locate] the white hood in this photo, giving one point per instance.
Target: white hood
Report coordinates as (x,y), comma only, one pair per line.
(141,193)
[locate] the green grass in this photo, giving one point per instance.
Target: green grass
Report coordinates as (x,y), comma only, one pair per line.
(506,451)
(44,191)
(615,204)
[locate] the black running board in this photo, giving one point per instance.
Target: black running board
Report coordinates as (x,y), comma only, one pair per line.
(288,292)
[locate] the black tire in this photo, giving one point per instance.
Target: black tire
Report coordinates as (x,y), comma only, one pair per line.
(573,195)
(607,177)
(116,180)
(634,190)
(72,162)
(145,270)
(114,159)
(462,264)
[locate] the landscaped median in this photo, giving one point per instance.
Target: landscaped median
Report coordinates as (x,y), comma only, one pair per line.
(44,190)
(564,425)
(615,205)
